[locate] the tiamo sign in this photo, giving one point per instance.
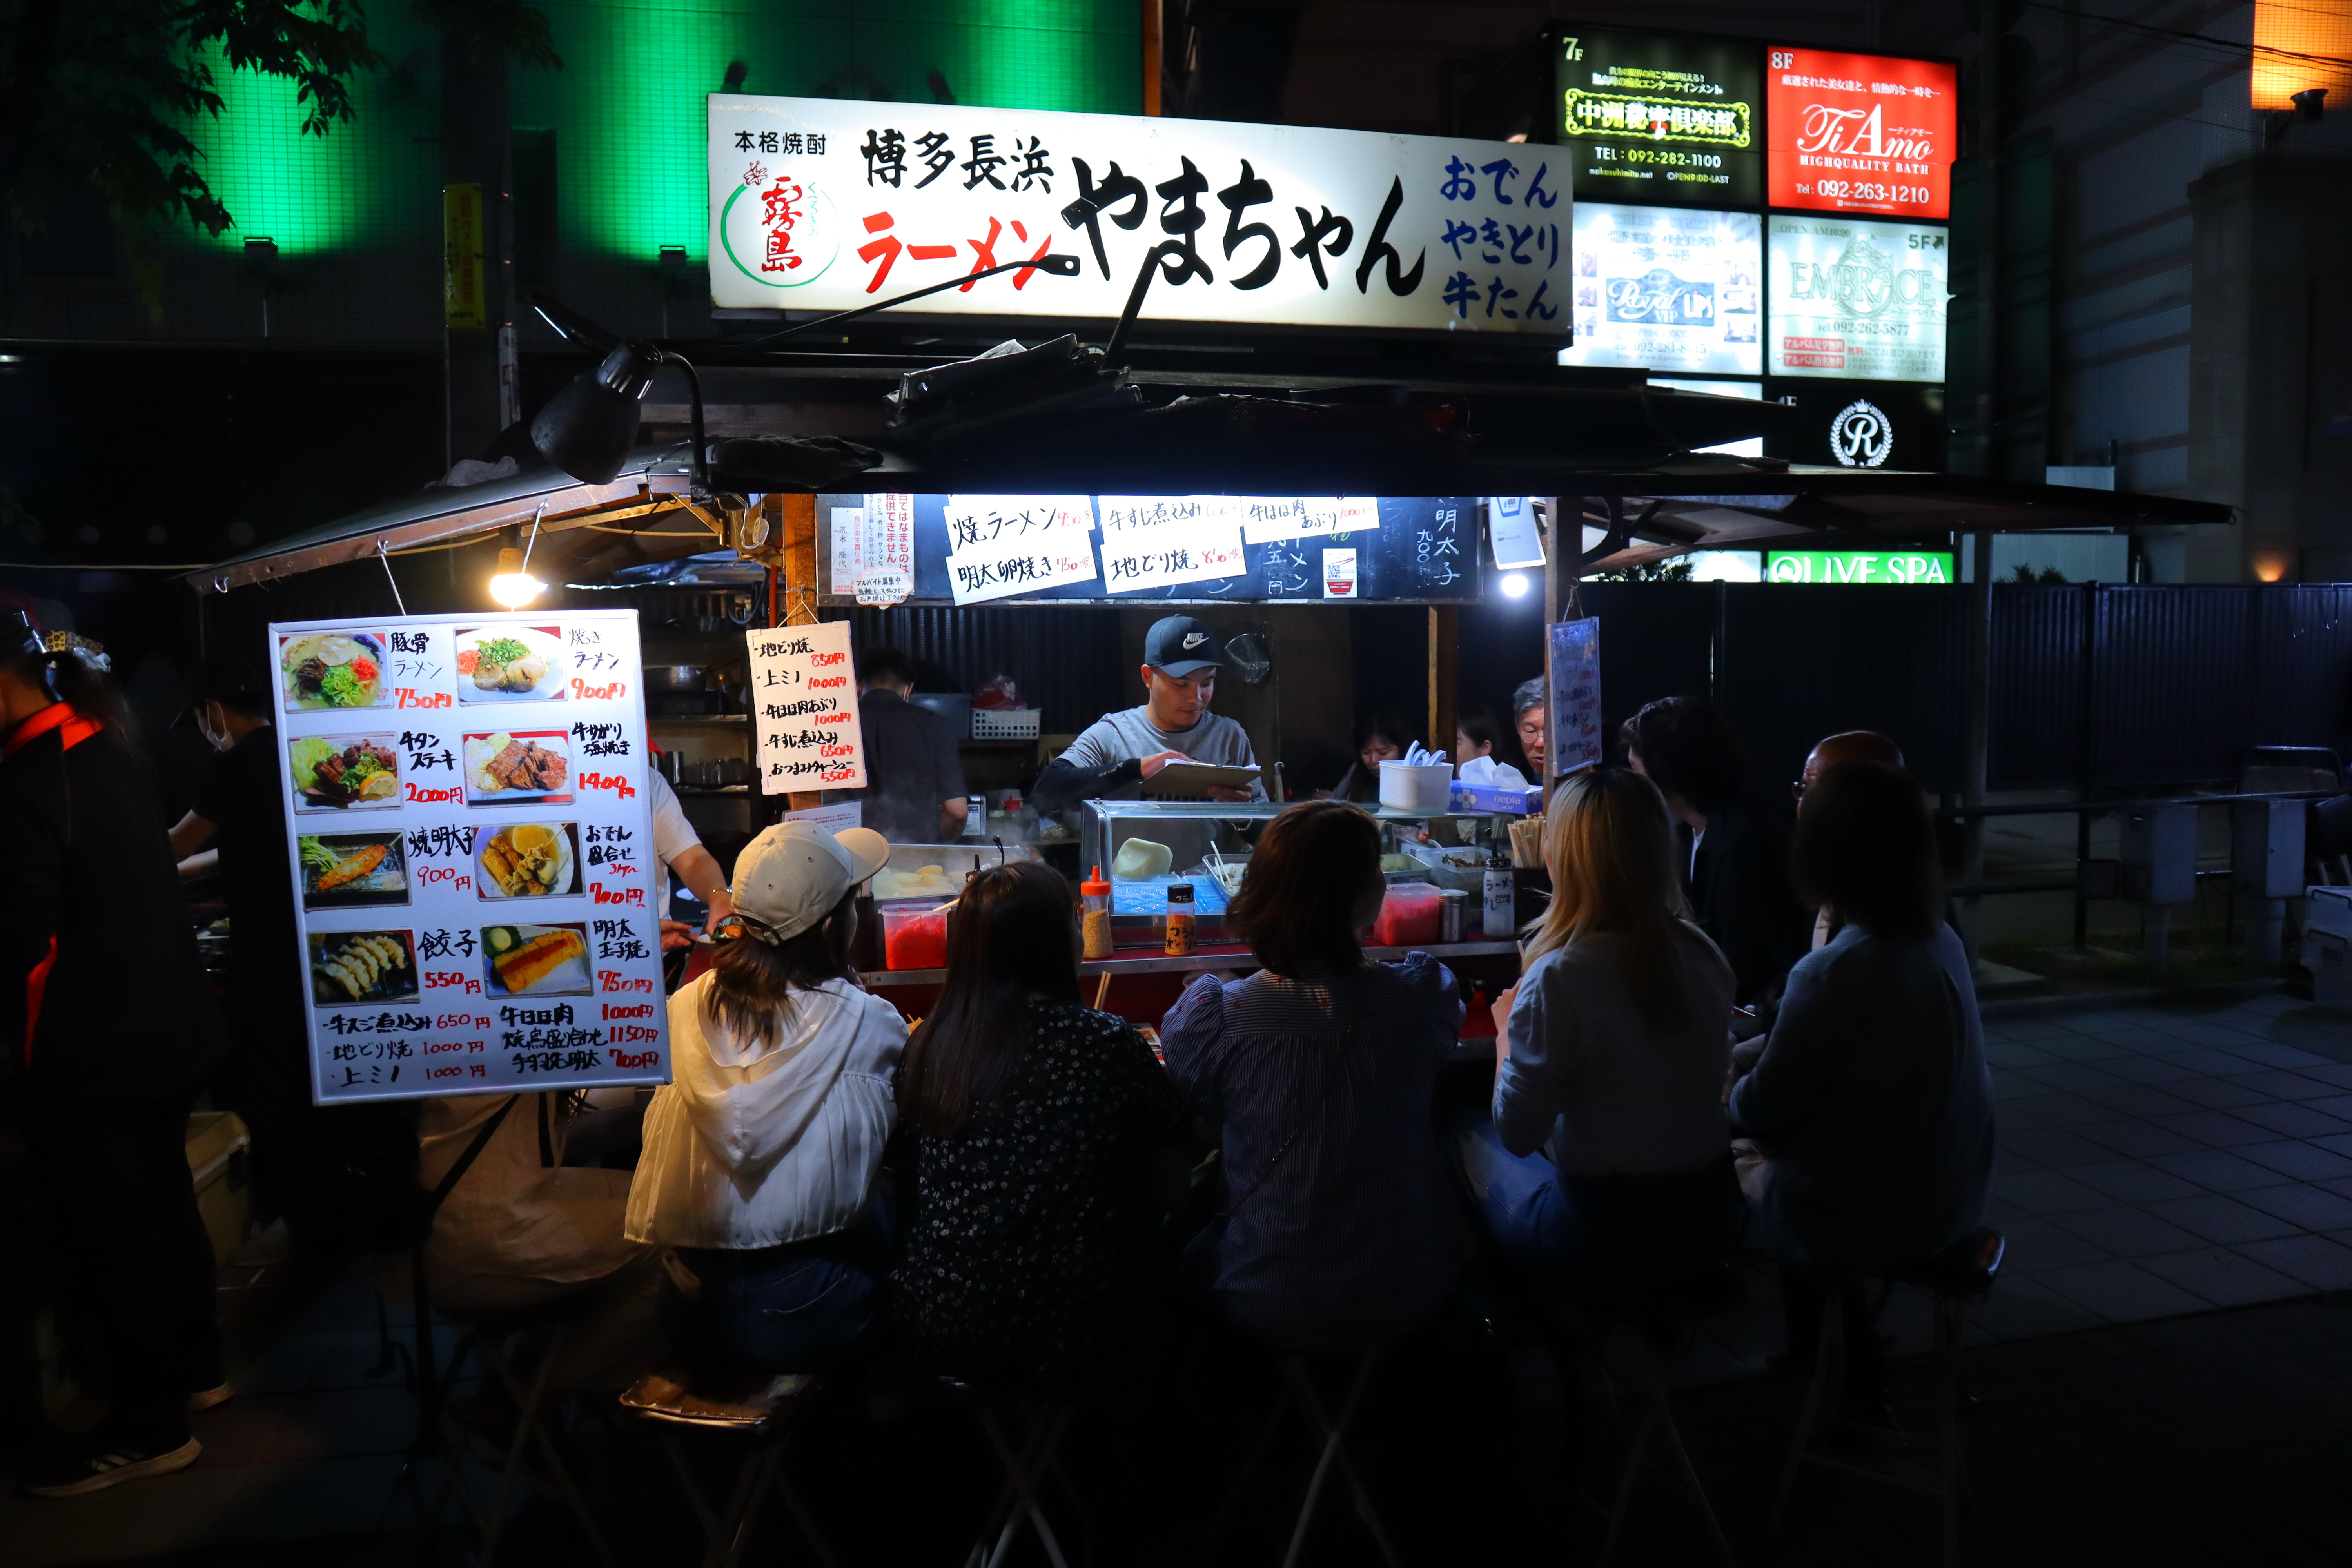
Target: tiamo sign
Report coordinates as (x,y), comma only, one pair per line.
(827,203)
(1861,133)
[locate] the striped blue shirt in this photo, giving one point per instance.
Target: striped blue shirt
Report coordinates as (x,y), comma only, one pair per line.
(1343,1229)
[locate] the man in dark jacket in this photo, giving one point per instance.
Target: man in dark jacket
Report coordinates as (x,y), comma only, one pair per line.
(1739,871)
(237,830)
(107,1026)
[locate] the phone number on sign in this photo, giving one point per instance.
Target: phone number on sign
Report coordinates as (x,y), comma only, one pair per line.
(1857,191)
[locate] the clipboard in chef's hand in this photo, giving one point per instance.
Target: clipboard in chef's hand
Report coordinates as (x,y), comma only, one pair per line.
(1191,780)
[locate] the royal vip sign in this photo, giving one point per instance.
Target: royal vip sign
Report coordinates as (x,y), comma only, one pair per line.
(828,204)
(1861,133)
(1856,300)
(1668,288)
(471,848)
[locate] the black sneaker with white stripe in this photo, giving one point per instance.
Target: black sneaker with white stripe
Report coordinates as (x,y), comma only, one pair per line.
(108,1464)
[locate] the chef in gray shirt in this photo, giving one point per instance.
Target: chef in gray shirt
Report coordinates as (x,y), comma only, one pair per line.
(1118,750)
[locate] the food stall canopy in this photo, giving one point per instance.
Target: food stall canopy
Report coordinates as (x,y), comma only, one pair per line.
(1052,419)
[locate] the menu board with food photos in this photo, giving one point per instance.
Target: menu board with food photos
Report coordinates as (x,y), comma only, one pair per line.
(472,849)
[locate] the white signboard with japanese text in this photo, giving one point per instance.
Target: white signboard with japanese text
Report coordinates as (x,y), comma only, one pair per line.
(1002,546)
(803,690)
(1858,300)
(873,553)
(471,844)
(830,203)
(1671,289)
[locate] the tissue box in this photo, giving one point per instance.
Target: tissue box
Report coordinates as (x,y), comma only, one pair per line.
(1508,801)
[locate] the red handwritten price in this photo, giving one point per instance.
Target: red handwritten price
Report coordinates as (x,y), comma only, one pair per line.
(450,874)
(437,979)
(461,1021)
(612,691)
(623,1034)
(613,782)
(634,1059)
(416,796)
(613,982)
(642,1010)
(408,697)
(599,893)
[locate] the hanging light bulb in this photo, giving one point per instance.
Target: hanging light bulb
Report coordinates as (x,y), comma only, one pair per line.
(513,586)
(1515,584)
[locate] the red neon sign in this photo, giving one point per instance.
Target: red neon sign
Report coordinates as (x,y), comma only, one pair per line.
(1860,133)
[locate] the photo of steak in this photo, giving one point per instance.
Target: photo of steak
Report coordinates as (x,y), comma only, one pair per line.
(528,766)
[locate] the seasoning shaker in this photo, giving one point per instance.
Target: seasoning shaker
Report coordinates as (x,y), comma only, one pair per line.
(1095,922)
(1451,905)
(1180,943)
(1502,900)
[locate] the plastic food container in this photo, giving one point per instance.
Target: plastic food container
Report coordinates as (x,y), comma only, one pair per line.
(1410,916)
(1427,786)
(914,936)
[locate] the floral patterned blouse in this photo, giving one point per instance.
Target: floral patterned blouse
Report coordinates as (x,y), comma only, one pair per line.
(1033,1260)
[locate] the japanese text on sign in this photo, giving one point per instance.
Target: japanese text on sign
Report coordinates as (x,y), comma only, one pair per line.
(804,695)
(446,862)
(820,204)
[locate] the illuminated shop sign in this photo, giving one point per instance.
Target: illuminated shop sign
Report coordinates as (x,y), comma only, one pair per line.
(1667,288)
(1661,118)
(1856,300)
(1901,567)
(830,203)
(1861,133)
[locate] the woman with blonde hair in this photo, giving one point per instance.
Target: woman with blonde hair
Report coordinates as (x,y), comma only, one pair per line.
(1607,1164)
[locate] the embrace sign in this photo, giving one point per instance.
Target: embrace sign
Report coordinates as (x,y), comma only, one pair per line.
(827,205)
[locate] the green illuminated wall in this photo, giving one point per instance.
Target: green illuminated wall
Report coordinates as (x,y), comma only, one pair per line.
(627,109)
(627,106)
(366,181)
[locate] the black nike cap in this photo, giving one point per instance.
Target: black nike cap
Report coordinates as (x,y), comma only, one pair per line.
(1180,645)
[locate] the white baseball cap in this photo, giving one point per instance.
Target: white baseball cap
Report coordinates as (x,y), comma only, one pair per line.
(792,875)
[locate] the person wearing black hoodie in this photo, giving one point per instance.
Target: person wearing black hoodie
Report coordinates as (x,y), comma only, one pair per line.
(106,1026)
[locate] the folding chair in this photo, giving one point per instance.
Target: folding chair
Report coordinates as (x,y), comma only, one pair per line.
(1299,1394)
(485,1336)
(1964,1272)
(1658,1330)
(1042,1425)
(756,1406)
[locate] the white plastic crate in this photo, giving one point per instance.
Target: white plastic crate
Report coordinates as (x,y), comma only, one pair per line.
(1006,724)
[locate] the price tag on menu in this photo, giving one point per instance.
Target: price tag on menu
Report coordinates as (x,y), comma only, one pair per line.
(471,844)
(804,709)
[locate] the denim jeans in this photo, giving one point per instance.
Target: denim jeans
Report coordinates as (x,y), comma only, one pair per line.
(1600,1236)
(794,1308)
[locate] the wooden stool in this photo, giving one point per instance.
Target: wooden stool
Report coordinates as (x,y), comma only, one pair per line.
(756,1406)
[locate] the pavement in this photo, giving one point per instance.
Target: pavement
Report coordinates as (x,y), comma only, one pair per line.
(2164,1373)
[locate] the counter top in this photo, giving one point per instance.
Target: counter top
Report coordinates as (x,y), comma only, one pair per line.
(1223,956)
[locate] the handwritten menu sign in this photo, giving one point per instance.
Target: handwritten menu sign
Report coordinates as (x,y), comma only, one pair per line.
(873,555)
(1574,669)
(804,709)
(472,846)
(1002,546)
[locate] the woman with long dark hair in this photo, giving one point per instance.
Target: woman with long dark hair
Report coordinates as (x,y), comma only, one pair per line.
(1341,1229)
(1047,1148)
(1607,1164)
(763,1153)
(107,1027)
(1872,1102)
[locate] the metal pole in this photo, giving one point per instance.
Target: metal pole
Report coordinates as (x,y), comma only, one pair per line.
(1979,725)
(1988,345)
